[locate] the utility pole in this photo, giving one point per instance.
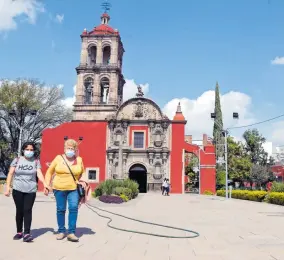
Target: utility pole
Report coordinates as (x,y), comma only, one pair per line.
(225,133)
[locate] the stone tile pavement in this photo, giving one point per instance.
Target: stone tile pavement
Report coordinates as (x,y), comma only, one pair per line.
(229,230)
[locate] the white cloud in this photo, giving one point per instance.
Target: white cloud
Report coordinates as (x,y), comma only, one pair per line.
(69,101)
(59,18)
(278,61)
(197,111)
(130,89)
(11,10)
(277,135)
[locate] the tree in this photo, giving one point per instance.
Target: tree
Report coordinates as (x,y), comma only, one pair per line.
(21,96)
(218,125)
(190,169)
(259,175)
(239,164)
(254,147)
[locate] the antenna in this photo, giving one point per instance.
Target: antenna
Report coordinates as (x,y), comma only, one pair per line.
(106,6)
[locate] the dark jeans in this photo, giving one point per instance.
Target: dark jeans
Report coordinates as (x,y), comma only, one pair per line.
(24,204)
(62,197)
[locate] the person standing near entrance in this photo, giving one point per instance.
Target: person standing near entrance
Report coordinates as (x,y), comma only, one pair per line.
(24,171)
(167,187)
(164,186)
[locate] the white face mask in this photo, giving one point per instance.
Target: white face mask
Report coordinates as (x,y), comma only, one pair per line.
(70,153)
(28,154)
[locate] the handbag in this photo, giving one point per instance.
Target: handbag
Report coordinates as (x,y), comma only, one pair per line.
(80,189)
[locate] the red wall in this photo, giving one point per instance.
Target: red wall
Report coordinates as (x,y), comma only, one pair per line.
(139,128)
(92,149)
(177,171)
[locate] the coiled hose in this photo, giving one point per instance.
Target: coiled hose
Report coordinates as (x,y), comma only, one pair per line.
(92,208)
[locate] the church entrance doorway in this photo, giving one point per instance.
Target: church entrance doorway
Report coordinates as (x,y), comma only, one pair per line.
(138,173)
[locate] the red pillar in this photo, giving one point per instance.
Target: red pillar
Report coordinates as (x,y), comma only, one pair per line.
(178,135)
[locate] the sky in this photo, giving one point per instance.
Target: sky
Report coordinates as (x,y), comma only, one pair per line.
(176,50)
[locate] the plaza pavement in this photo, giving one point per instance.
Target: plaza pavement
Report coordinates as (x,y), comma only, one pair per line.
(229,230)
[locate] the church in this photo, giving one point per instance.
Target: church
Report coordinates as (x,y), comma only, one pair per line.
(131,139)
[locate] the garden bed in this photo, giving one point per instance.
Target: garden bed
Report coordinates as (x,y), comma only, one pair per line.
(116,191)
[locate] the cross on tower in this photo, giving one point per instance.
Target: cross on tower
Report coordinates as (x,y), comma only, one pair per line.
(106,6)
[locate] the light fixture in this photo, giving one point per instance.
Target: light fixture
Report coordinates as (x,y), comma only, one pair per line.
(65,138)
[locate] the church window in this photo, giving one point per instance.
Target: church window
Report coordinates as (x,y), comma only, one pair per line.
(92,56)
(104,90)
(92,174)
(89,85)
(106,55)
(138,140)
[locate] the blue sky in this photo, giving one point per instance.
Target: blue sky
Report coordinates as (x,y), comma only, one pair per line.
(179,48)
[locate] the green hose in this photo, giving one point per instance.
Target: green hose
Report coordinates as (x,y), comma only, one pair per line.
(196,234)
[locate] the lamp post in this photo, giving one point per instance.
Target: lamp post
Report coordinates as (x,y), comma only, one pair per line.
(225,134)
(32,113)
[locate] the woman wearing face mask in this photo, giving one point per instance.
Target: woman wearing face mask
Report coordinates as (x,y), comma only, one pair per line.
(24,171)
(65,188)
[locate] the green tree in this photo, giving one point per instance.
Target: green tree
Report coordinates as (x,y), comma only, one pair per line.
(190,169)
(21,96)
(218,125)
(239,164)
(254,147)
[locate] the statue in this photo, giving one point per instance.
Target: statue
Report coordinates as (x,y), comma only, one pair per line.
(105,94)
(140,92)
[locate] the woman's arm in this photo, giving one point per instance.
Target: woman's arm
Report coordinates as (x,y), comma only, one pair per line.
(50,171)
(10,176)
(41,178)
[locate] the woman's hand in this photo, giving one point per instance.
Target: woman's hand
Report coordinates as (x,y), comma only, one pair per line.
(47,188)
(8,191)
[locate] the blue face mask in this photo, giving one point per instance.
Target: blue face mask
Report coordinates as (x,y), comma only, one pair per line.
(70,153)
(29,154)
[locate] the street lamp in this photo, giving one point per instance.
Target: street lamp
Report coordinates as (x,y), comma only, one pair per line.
(225,134)
(33,114)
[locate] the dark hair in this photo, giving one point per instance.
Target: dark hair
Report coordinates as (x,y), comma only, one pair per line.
(26,144)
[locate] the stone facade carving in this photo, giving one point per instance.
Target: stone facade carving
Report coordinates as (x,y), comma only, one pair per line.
(155,157)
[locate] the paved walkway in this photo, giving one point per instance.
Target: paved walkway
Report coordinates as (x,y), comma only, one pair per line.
(230,230)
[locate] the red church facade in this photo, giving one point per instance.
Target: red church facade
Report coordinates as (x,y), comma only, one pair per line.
(118,140)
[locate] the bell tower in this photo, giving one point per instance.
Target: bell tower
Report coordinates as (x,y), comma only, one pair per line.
(99,90)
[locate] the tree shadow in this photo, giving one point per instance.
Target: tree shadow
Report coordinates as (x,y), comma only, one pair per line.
(41,231)
(81,231)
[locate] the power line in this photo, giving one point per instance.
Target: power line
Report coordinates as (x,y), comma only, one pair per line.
(258,123)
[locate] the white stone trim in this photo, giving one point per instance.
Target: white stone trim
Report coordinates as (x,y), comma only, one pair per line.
(86,174)
(132,139)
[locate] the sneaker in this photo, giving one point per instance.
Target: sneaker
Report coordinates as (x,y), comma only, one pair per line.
(18,236)
(72,238)
(28,238)
(60,236)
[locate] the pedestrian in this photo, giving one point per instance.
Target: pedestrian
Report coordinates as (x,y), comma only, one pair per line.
(24,170)
(164,185)
(167,187)
(67,169)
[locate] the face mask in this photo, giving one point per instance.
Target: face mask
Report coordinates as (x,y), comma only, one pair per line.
(70,153)
(29,154)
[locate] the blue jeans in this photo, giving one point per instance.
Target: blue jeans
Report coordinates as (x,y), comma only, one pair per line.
(61,197)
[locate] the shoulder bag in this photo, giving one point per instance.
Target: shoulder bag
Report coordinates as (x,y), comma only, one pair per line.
(80,189)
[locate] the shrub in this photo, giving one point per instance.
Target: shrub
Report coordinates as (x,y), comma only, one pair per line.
(245,194)
(2,182)
(126,187)
(111,199)
(133,186)
(208,192)
(275,198)
(277,187)
(124,197)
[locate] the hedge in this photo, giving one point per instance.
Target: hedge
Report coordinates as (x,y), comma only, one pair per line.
(245,194)
(260,196)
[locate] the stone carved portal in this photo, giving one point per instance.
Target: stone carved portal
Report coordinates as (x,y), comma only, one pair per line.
(122,157)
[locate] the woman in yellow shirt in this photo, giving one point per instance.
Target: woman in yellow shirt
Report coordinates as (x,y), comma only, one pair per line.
(65,188)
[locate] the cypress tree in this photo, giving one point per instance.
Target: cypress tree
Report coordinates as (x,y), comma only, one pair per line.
(218,125)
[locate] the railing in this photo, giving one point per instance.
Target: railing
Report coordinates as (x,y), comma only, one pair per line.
(100,66)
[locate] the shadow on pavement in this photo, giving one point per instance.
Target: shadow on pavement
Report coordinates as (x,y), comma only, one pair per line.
(81,231)
(41,231)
